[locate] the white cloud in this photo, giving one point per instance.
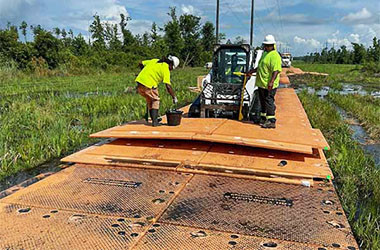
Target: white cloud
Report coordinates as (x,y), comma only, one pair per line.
(63,14)
(362,16)
(308,42)
(191,10)
(296,18)
(367,32)
(187,9)
(355,38)
(140,26)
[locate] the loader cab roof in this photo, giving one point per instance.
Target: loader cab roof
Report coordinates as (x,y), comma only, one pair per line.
(245,47)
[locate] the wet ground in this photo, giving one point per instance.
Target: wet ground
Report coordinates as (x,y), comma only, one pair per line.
(361,136)
(346,90)
(358,132)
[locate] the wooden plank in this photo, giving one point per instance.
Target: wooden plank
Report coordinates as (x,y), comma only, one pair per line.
(188,128)
(205,156)
(293,132)
(143,150)
(281,134)
(237,158)
(252,142)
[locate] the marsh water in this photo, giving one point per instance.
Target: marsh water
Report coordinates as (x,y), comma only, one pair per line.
(359,134)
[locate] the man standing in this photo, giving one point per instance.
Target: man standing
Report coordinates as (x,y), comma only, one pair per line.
(267,81)
(153,72)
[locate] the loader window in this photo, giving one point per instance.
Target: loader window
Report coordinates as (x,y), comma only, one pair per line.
(228,62)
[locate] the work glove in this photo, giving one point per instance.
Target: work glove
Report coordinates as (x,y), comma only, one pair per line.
(175,100)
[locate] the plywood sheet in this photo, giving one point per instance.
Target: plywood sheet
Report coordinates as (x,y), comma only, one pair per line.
(188,128)
(239,159)
(284,136)
(205,156)
(293,132)
(175,151)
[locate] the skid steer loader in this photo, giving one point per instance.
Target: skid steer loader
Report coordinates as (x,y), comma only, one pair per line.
(222,88)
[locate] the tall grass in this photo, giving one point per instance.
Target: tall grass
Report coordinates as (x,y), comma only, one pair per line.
(365,108)
(356,177)
(338,74)
(45,118)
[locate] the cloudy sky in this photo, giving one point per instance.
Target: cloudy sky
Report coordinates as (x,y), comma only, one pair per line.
(300,26)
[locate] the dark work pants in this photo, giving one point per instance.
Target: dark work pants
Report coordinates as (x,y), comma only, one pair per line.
(267,102)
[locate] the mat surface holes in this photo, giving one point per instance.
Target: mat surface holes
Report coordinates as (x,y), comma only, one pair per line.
(131,193)
(263,209)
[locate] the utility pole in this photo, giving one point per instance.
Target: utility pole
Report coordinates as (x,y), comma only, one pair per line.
(217,21)
(252,16)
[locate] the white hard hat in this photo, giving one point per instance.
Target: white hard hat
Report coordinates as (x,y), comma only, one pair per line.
(175,61)
(269,39)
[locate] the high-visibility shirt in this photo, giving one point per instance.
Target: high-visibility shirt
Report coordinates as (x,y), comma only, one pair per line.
(269,63)
(153,73)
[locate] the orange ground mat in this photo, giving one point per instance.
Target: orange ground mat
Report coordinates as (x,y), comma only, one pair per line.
(196,155)
(293,132)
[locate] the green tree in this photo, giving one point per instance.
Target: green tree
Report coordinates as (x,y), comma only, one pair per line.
(359,53)
(128,38)
(57,32)
(71,33)
(23,28)
(172,36)
(374,51)
(154,33)
(36,29)
(64,33)
(97,33)
(190,31)
(79,46)
(240,40)
(47,47)
(208,36)
(112,35)
(158,45)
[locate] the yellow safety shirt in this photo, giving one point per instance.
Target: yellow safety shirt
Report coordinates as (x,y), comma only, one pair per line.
(153,73)
(269,63)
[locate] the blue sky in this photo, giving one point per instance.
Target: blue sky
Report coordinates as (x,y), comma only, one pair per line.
(299,26)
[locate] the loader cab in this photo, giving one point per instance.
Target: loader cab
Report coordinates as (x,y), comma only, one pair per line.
(227,60)
(221,88)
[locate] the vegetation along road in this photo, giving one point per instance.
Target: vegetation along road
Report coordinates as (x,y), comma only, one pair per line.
(48,117)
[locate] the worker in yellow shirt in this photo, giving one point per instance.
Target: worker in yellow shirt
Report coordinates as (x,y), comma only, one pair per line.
(154,72)
(267,81)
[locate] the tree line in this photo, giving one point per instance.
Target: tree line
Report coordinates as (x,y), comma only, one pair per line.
(359,54)
(110,44)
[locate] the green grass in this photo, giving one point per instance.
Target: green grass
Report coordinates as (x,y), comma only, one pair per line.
(338,75)
(364,108)
(43,118)
(356,177)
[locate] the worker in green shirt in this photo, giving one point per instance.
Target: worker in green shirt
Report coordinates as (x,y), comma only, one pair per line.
(267,81)
(154,72)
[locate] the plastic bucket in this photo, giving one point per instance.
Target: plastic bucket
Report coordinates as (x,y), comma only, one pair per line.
(174,117)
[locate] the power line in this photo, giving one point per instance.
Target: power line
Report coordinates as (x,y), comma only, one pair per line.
(280,18)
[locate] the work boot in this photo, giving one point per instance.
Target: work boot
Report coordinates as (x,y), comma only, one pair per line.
(263,119)
(256,121)
(146,117)
(154,116)
(271,123)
